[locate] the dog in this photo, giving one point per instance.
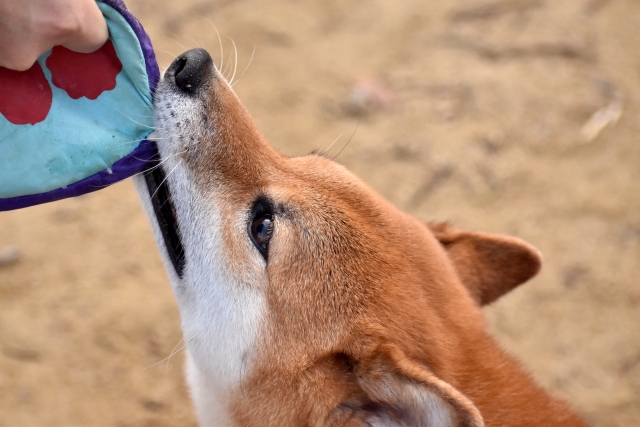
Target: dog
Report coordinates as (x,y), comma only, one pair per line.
(306,299)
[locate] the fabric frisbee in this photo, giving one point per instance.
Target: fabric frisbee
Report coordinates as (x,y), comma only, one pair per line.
(76,123)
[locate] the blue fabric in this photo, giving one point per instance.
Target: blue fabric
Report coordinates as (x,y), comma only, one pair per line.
(85,144)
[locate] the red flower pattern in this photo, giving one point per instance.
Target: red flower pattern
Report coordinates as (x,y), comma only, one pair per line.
(26,97)
(84,74)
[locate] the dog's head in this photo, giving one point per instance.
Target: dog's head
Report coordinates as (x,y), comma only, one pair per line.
(306,298)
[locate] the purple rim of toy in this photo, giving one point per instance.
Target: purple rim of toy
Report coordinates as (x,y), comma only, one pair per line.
(153,72)
(144,156)
(141,158)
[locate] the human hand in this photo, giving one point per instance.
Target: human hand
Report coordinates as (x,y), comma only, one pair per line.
(29,28)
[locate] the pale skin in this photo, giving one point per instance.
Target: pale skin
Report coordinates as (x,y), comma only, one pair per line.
(29,28)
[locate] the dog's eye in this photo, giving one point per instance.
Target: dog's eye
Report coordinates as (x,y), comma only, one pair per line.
(261,227)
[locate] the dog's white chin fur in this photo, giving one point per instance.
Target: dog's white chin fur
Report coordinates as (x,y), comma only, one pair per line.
(220,318)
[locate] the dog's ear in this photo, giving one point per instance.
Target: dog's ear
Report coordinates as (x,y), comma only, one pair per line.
(397,392)
(489,265)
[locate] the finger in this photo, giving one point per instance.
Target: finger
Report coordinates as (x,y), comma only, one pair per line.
(19,65)
(22,60)
(92,32)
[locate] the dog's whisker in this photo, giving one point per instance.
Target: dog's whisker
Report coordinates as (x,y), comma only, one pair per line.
(173,354)
(220,43)
(160,163)
(350,138)
(141,124)
(152,168)
(165,179)
(326,152)
(172,57)
(173,351)
(235,65)
(145,115)
(172,54)
(226,68)
(133,141)
(168,357)
(178,43)
(247,67)
(195,42)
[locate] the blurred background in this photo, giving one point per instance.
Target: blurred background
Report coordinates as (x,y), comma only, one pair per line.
(511,116)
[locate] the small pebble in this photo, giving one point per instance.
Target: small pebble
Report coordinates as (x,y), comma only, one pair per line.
(9,255)
(369,96)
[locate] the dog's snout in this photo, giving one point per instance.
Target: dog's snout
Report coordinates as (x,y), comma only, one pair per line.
(190,70)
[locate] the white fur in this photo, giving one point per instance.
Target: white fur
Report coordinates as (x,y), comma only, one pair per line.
(422,409)
(220,313)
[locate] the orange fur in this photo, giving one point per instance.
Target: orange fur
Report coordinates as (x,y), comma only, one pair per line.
(371,315)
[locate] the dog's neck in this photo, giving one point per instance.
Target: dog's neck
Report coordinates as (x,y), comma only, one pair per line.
(501,390)
(505,393)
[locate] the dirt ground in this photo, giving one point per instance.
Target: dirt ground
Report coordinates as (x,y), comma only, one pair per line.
(515,116)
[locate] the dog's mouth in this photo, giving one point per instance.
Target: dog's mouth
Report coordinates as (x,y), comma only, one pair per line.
(187,75)
(160,195)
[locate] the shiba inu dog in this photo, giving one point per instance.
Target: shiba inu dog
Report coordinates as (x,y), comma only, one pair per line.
(307,299)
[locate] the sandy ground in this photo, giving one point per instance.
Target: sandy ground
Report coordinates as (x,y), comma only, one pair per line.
(519,117)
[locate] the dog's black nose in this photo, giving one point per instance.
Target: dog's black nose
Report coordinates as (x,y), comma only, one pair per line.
(190,70)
